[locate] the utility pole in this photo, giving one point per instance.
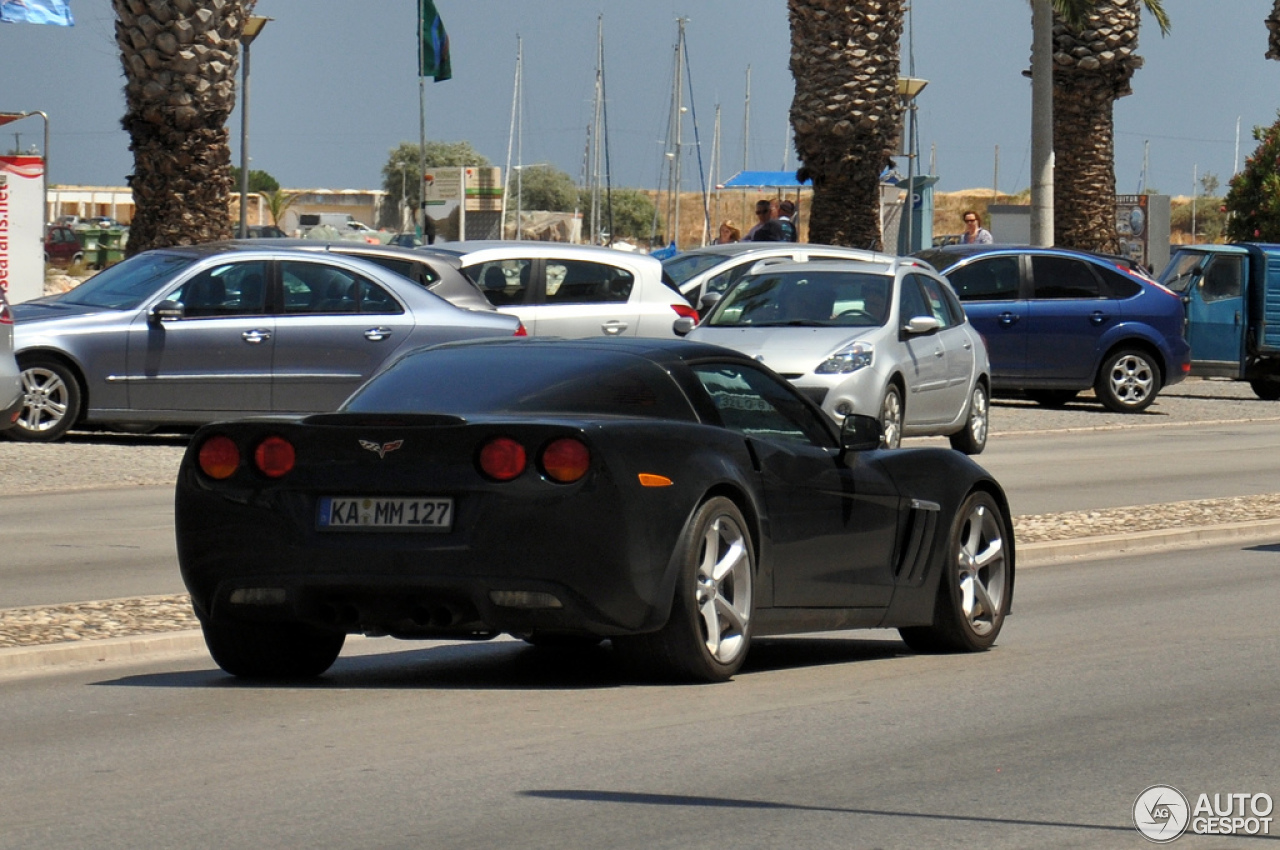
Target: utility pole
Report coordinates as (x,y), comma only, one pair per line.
(1042,122)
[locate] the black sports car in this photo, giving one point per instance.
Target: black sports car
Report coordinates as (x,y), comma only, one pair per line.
(676,498)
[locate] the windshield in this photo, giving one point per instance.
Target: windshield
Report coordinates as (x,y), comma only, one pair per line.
(126,285)
(1182,269)
(806,299)
(940,260)
(681,267)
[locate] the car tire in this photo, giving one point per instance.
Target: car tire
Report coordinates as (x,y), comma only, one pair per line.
(976,585)
(972,438)
(1267,389)
(1128,381)
(891,418)
(271,650)
(1051,398)
(51,401)
(707,636)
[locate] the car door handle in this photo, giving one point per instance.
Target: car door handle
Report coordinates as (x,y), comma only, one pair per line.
(256,336)
(377,334)
(938,352)
(614,327)
(1008,318)
(1098,317)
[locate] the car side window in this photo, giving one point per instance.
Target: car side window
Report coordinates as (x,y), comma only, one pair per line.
(311,288)
(936,296)
(754,404)
(1223,279)
(505,282)
(911,301)
(724,281)
(1063,277)
(582,282)
(232,289)
(991,279)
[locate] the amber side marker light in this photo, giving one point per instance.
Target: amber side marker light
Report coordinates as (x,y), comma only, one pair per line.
(566,460)
(219,458)
(649,480)
(274,457)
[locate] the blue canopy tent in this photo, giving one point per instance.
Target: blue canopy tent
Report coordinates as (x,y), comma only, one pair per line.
(764,180)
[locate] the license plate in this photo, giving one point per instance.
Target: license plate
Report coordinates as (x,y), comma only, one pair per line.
(362,513)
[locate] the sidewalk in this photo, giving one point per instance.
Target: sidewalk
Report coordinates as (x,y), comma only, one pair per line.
(65,635)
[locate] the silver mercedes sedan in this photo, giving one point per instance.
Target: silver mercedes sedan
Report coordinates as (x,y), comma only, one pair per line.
(188,335)
(10,386)
(883,337)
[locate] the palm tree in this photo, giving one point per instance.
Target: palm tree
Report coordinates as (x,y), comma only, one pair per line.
(1094,61)
(180,59)
(846,112)
(278,203)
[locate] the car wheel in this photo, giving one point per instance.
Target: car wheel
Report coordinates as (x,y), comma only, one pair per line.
(1051,398)
(51,401)
(972,438)
(708,633)
(974,591)
(1128,382)
(891,418)
(269,650)
(1266,389)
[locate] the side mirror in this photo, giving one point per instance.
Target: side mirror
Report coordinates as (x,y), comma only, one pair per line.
(860,433)
(165,311)
(920,325)
(682,325)
(708,300)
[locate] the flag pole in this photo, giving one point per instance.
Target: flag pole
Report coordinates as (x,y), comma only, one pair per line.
(422,134)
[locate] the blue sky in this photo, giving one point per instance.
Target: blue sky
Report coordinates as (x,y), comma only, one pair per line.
(334,88)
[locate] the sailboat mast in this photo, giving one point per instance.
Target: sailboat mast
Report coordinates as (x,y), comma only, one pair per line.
(746,144)
(679,113)
(511,136)
(596,142)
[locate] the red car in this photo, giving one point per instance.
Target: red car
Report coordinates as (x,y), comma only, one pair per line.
(61,247)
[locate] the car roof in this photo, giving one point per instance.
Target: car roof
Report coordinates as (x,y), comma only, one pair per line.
(881,264)
(484,249)
(660,350)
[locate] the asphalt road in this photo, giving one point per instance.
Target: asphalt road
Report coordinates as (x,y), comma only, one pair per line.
(1110,677)
(82,545)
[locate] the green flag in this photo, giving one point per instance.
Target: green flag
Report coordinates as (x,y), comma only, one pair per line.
(433,44)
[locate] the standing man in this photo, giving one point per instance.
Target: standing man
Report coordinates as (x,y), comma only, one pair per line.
(973,233)
(762,218)
(786,220)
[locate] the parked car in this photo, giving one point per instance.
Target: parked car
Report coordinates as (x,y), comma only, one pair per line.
(1230,294)
(61,247)
(714,269)
(440,274)
(183,336)
(884,338)
(1057,322)
(571,291)
(678,499)
(264,231)
(10,384)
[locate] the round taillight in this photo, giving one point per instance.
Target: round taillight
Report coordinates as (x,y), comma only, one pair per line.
(565,460)
(274,457)
(219,458)
(502,458)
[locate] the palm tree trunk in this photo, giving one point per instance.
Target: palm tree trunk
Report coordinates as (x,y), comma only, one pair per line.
(1093,65)
(180,59)
(846,112)
(1273,32)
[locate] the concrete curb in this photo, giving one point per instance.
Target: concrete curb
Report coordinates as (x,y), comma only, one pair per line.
(49,657)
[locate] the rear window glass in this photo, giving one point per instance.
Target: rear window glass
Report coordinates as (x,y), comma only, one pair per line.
(517,379)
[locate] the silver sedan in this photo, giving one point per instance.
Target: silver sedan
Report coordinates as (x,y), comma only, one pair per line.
(881,337)
(184,336)
(10,387)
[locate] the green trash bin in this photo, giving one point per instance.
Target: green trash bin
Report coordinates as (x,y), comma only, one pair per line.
(93,252)
(111,247)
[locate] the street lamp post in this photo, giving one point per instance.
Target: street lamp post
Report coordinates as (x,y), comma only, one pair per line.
(5,118)
(908,89)
(252,27)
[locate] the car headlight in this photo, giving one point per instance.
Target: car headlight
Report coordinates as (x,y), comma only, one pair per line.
(851,358)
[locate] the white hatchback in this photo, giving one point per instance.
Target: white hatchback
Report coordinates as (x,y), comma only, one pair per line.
(884,338)
(572,291)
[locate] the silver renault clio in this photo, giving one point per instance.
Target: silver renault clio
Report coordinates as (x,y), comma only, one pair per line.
(883,337)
